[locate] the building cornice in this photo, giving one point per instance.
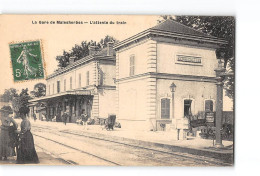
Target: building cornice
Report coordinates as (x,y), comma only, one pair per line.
(168,76)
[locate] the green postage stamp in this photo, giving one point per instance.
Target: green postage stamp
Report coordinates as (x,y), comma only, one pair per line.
(27,60)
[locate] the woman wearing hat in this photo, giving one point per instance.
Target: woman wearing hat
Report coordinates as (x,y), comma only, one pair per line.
(27,152)
(6,149)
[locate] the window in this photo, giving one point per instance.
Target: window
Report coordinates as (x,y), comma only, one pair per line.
(64,85)
(58,86)
(53,88)
(132,65)
(165,108)
(187,107)
(70,82)
(80,80)
(208,106)
(87,78)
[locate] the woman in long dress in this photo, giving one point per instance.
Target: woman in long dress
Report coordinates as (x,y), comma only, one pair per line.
(27,152)
(6,146)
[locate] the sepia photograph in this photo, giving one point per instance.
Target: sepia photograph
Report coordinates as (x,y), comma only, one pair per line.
(117,90)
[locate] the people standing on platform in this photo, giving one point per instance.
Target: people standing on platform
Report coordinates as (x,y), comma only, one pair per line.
(26,151)
(6,142)
(34,117)
(84,117)
(43,117)
(65,117)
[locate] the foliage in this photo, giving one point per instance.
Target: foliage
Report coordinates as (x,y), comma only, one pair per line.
(9,94)
(82,50)
(22,100)
(39,90)
(219,26)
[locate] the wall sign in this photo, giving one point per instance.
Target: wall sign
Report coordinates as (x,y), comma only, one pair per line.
(210,117)
(188,59)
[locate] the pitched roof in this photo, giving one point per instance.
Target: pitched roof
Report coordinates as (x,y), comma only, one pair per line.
(175,27)
(99,54)
(170,28)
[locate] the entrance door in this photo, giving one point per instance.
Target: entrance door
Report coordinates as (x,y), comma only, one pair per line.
(89,107)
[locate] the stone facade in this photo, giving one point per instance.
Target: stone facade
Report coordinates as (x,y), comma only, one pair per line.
(161,58)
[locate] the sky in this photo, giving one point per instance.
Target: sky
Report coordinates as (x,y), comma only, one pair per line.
(58,37)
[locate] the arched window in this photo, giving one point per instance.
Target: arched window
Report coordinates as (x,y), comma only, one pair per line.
(208,106)
(165,108)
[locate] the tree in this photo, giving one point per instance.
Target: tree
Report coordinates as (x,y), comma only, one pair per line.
(21,101)
(220,27)
(82,50)
(9,94)
(39,90)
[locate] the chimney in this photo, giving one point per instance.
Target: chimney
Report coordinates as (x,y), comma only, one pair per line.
(72,60)
(92,50)
(110,50)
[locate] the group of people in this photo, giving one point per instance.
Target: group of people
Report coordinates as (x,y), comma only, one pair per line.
(14,142)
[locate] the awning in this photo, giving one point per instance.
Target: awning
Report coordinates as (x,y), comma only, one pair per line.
(74,92)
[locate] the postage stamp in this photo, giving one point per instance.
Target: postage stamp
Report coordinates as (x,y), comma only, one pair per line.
(27,60)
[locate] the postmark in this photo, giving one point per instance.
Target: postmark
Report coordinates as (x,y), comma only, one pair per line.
(27,60)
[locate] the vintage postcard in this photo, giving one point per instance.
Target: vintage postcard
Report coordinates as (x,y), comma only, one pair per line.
(117,90)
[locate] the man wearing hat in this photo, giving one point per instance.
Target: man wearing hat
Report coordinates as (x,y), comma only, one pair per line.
(6,148)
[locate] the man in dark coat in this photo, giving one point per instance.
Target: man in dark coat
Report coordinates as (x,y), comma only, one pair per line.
(34,117)
(65,117)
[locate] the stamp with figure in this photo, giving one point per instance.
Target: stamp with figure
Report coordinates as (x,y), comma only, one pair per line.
(27,60)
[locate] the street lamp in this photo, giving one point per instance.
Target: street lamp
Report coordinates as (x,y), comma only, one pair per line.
(173,88)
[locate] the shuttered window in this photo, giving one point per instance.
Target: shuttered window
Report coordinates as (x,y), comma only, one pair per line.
(80,80)
(87,78)
(70,82)
(132,65)
(165,108)
(64,85)
(58,86)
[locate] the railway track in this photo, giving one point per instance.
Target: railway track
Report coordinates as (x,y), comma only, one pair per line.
(178,155)
(70,147)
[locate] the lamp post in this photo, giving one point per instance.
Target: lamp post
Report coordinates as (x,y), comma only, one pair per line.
(219,106)
(173,88)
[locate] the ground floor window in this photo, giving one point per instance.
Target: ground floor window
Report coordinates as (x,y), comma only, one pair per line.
(208,106)
(165,108)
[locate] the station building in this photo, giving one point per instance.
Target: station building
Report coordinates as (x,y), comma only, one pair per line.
(84,86)
(165,75)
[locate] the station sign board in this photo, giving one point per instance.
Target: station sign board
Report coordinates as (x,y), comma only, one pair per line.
(210,117)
